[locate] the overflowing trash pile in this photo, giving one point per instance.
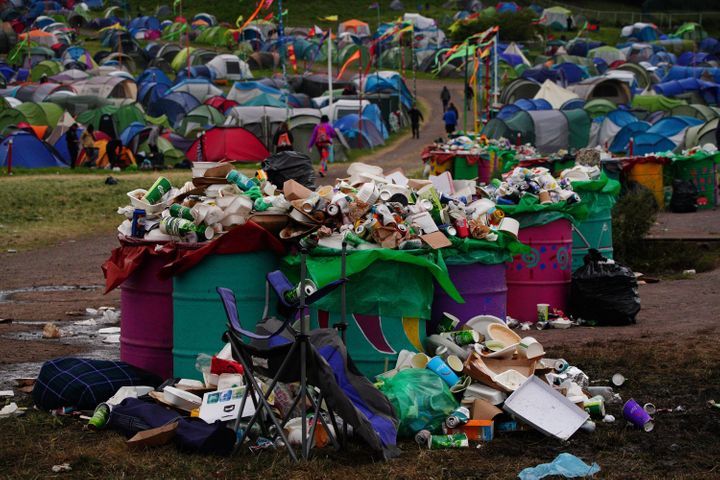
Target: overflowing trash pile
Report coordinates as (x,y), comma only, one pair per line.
(368,209)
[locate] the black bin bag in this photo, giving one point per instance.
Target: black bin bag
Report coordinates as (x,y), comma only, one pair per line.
(290,165)
(684,196)
(604,293)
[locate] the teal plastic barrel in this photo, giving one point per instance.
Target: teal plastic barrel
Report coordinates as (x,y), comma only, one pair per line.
(595,231)
(199,316)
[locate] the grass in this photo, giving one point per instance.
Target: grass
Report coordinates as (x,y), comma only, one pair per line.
(43,208)
(683,445)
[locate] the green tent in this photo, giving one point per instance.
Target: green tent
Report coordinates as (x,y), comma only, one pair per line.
(33,113)
(216,36)
(703,112)
(9,117)
(599,107)
(47,68)
(395,57)
(171,154)
(265,100)
(92,117)
(243,51)
(690,31)
(199,117)
(162,120)
(180,60)
(655,103)
(53,112)
(122,116)
(174,32)
(579,126)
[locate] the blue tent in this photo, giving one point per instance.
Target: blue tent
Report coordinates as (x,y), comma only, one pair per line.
(510,7)
(678,72)
(622,138)
(673,125)
(663,57)
(573,104)
(133,129)
(349,125)
(710,91)
(581,47)
(572,73)
(710,45)
(175,105)
(28,151)
(373,114)
(94,4)
(525,105)
(694,58)
(153,75)
(540,74)
(151,92)
(196,71)
(646,143)
(381,83)
(148,23)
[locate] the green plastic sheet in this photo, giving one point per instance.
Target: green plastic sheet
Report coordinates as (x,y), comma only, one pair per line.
(467,251)
(599,195)
(531,213)
(391,282)
(699,155)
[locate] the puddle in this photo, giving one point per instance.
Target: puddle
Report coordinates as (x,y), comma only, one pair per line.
(6,295)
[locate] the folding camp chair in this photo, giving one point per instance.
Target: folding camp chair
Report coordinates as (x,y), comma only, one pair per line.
(283,359)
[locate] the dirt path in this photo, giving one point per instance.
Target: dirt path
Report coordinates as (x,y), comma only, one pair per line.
(405,152)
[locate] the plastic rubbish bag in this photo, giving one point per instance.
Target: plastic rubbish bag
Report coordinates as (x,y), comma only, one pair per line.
(684,196)
(565,464)
(422,400)
(605,293)
(290,165)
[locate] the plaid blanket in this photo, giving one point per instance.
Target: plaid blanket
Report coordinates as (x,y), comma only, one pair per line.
(83,383)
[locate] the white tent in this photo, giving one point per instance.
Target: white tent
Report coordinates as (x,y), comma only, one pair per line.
(229,67)
(554,94)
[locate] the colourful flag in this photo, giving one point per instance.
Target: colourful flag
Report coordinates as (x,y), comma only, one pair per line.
(319,48)
(353,58)
(329,18)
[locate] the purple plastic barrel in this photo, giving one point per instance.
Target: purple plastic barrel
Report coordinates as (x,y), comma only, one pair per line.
(482,286)
(146,324)
(544,274)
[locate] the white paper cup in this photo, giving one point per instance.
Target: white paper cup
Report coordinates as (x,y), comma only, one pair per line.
(420,360)
(455,363)
(543,310)
(509,225)
(530,348)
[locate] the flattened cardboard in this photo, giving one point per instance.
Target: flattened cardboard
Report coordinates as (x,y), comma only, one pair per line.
(294,191)
(436,240)
(219,171)
(417,184)
(154,437)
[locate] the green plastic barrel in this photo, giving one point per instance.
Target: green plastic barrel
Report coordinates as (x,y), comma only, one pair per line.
(596,230)
(199,315)
(463,170)
(702,173)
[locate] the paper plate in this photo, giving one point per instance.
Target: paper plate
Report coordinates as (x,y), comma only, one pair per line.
(481,322)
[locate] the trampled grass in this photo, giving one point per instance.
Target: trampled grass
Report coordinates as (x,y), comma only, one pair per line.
(41,209)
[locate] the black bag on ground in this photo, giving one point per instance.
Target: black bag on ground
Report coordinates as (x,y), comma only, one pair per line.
(684,196)
(290,165)
(605,293)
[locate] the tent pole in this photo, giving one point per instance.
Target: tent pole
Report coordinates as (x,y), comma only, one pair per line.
(496,89)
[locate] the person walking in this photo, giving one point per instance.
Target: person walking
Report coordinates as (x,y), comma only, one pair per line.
(450,118)
(283,139)
(73,145)
(445,97)
(415,117)
(321,138)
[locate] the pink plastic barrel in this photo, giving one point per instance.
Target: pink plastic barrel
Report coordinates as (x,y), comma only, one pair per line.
(146,324)
(482,287)
(544,274)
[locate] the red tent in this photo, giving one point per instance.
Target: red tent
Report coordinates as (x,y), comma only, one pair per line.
(229,144)
(221,103)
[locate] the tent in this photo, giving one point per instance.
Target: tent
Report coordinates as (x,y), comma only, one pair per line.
(47,68)
(607,53)
(702,112)
(221,103)
(198,88)
(622,138)
(523,105)
(387,82)
(517,89)
(199,118)
(555,18)
(647,143)
(701,134)
(643,32)
(356,27)
(357,135)
(690,31)
(114,88)
(610,89)
(174,105)
(229,67)
(654,103)
(555,95)
(691,89)
(611,125)
(29,152)
(229,144)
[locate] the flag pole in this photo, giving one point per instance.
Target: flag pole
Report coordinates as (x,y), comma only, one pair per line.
(465,105)
(329,68)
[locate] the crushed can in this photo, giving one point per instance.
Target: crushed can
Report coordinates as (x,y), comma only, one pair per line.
(465,337)
(458,417)
(423,437)
(456,440)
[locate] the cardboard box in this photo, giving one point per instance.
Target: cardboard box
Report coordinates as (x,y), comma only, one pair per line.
(483,410)
(476,430)
(294,191)
(223,405)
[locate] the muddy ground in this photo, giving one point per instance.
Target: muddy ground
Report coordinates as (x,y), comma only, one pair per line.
(669,358)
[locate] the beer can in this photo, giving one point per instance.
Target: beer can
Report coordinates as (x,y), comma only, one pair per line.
(458,417)
(423,437)
(293,296)
(239,179)
(178,211)
(158,189)
(561,365)
(332,209)
(456,440)
(138,223)
(495,216)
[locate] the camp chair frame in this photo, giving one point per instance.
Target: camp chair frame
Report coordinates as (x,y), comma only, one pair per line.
(286,371)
